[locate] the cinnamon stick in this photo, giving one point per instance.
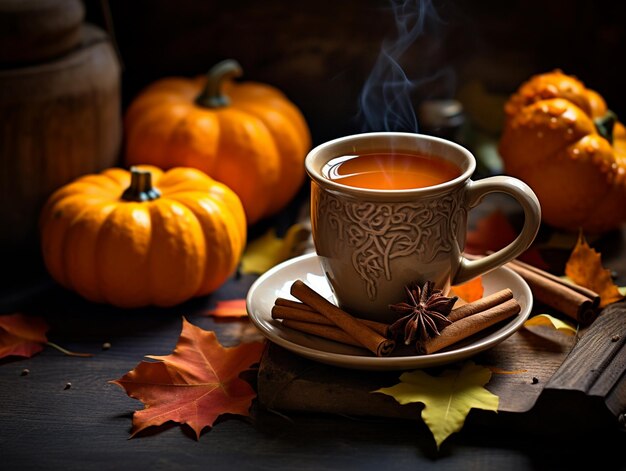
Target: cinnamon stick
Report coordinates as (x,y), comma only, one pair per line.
(479,305)
(468,326)
(293,310)
(294,304)
(373,341)
(577,302)
(321,330)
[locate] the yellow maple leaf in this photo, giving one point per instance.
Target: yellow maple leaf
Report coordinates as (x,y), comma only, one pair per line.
(550,321)
(584,267)
(447,398)
(268,250)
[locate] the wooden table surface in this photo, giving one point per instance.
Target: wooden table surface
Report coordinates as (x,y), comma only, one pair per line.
(44,425)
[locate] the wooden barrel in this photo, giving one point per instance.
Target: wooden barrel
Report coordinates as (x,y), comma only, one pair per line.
(37,30)
(59,120)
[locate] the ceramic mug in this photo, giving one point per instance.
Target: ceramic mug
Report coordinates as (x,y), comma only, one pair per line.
(371,243)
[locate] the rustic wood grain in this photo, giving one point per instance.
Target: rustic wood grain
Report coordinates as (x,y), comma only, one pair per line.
(523,366)
(597,364)
(60,119)
(86,427)
(289,382)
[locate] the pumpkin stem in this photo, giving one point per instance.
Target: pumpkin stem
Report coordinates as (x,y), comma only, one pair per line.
(605,124)
(140,188)
(212,95)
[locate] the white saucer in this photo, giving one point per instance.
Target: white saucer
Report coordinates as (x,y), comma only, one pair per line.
(277,281)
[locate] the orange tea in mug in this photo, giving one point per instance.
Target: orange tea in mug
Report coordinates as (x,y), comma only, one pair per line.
(390,171)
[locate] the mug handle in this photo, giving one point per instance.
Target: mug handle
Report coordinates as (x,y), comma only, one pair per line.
(525,196)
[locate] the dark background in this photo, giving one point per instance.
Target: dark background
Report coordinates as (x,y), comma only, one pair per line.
(321,52)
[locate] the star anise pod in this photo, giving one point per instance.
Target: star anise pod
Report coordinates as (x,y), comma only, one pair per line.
(423,315)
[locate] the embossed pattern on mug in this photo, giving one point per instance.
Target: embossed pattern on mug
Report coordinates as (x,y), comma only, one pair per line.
(381,232)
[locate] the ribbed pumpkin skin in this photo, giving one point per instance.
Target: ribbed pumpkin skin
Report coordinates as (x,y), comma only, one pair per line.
(550,141)
(556,84)
(132,254)
(256,145)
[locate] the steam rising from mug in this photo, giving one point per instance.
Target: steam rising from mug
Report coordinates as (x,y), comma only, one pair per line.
(385,103)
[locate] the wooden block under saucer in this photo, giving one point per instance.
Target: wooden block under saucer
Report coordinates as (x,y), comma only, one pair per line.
(552,377)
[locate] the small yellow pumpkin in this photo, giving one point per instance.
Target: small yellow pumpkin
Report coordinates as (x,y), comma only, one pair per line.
(246,135)
(115,238)
(560,138)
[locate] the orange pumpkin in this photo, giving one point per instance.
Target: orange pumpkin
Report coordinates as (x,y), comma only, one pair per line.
(114,238)
(247,135)
(560,138)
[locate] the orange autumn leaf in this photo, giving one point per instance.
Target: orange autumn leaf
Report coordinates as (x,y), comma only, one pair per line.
(22,335)
(494,232)
(195,384)
(584,267)
(230,308)
(469,291)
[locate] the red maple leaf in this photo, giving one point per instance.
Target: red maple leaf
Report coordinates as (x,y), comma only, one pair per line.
(195,384)
(22,335)
(494,232)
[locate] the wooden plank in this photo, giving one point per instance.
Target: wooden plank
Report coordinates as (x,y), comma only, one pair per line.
(594,365)
(597,364)
(289,382)
(524,366)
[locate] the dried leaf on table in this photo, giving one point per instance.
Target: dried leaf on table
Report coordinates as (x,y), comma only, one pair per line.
(229,309)
(268,250)
(494,232)
(447,398)
(22,335)
(550,321)
(195,384)
(469,291)
(584,267)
